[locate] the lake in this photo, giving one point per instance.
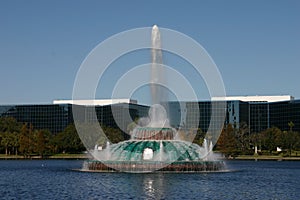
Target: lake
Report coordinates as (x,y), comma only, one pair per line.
(54,179)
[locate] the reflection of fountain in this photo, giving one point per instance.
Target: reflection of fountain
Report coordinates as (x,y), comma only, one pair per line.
(154,146)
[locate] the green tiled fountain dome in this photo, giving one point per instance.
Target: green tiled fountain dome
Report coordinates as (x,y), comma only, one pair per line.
(167,151)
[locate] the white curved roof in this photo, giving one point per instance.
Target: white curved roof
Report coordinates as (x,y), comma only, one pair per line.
(255,98)
(95,102)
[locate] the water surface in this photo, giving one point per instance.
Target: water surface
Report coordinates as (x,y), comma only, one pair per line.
(53,179)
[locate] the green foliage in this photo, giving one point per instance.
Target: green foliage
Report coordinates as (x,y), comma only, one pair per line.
(199,138)
(113,134)
(43,142)
(8,141)
(242,136)
(240,141)
(9,129)
(26,140)
(91,134)
(269,139)
(9,124)
(228,143)
(68,141)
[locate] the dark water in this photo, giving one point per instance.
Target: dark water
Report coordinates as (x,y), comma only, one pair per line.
(53,179)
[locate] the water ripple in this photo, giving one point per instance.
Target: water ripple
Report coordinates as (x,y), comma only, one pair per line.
(53,179)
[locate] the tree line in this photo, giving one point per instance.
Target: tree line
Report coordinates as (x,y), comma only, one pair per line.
(23,139)
(233,141)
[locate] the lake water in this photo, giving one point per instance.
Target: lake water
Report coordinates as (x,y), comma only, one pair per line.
(53,179)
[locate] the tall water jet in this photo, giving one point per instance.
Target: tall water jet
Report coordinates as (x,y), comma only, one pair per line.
(156,68)
(158,81)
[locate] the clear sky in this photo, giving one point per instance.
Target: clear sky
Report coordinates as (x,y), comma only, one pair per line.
(255,44)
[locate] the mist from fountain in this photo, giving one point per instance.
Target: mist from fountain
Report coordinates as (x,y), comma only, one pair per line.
(161,151)
(107,151)
(207,151)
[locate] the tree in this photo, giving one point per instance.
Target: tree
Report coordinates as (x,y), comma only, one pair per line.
(6,142)
(91,134)
(9,124)
(26,140)
(243,138)
(9,129)
(199,138)
(227,143)
(291,125)
(113,134)
(15,142)
(68,141)
(269,138)
(42,142)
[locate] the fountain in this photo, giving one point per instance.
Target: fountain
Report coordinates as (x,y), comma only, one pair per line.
(155,146)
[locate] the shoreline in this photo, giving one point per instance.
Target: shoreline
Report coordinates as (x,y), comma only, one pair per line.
(271,158)
(53,157)
(87,156)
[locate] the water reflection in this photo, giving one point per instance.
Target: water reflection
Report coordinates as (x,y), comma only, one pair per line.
(148,187)
(153,186)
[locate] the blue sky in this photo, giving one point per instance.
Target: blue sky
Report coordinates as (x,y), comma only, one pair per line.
(255,44)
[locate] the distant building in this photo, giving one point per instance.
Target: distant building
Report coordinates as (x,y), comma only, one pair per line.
(269,99)
(51,117)
(258,112)
(56,117)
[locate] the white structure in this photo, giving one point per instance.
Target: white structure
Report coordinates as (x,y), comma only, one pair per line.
(95,102)
(255,98)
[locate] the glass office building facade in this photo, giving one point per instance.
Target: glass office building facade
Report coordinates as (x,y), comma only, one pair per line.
(56,117)
(51,117)
(193,115)
(116,115)
(281,113)
(257,115)
(262,115)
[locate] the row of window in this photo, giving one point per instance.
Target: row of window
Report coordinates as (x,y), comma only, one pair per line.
(258,116)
